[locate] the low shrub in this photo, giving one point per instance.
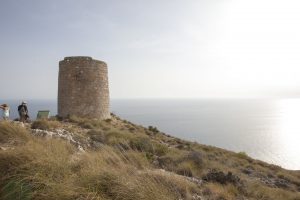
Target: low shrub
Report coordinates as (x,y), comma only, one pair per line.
(141,144)
(196,157)
(137,159)
(86,124)
(108,120)
(98,136)
(244,156)
(74,119)
(160,149)
(223,192)
(131,129)
(184,169)
(45,124)
(153,129)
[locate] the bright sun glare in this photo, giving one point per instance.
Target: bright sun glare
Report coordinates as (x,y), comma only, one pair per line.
(260,44)
(288,135)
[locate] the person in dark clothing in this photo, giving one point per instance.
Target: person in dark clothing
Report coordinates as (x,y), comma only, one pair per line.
(23,112)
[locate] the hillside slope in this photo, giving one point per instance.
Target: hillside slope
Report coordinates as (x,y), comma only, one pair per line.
(116,159)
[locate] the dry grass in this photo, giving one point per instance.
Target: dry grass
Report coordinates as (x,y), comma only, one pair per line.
(39,165)
(115,177)
(217,191)
(53,169)
(260,192)
(12,132)
(122,167)
(45,124)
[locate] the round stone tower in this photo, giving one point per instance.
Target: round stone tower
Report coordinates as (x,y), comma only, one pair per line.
(83,88)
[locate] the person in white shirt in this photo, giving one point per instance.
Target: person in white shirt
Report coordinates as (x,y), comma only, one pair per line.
(5,109)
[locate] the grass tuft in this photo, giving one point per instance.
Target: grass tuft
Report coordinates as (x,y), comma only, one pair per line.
(10,131)
(45,124)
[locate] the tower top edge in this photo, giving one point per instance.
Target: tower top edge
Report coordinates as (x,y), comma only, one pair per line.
(80,58)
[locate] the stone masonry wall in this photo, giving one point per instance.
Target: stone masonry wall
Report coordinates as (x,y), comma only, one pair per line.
(83,88)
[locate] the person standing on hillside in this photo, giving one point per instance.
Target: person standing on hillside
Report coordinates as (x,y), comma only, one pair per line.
(23,112)
(5,109)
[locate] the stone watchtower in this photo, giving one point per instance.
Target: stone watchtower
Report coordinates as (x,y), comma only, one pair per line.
(83,88)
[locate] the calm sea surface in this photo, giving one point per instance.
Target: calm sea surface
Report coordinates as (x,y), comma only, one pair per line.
(268,130)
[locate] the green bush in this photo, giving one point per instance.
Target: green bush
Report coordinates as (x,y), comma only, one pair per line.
(153,129)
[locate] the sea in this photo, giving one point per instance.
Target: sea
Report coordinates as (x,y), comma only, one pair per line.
(265,129)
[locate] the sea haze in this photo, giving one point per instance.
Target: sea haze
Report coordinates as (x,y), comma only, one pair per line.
(268,130)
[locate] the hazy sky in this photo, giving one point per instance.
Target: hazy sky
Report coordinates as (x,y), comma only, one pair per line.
(157,48)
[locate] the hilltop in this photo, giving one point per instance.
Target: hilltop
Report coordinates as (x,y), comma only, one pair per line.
(78,158)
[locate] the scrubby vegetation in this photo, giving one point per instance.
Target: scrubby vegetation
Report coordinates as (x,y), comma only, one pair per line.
(116,159)
(45,124)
